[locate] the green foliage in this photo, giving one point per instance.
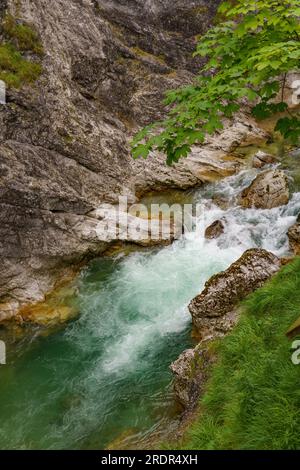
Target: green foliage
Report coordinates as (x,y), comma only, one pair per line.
(248,57)
(15,69)
(25,37)
(253,398)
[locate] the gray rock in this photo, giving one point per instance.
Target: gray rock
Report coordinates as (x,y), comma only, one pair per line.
(215,313)
(269,189)
(214,310)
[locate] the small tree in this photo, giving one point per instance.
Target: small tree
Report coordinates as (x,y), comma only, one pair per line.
(249,55)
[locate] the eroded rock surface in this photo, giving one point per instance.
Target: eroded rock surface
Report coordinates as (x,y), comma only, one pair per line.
(269,189)
(215,313)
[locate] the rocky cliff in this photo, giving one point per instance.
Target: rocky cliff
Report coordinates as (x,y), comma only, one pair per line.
(64,139)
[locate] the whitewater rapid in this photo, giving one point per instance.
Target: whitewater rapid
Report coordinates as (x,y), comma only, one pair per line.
(159,284)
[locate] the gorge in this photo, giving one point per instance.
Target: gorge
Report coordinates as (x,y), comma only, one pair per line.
(91,325)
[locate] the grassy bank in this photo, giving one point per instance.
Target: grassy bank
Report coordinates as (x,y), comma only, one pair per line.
(253,398)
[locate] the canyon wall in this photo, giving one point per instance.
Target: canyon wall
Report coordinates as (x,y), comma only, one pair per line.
(64,139)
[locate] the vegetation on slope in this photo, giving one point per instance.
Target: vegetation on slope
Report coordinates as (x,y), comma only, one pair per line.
(253,398)
(15,68)
(248,56)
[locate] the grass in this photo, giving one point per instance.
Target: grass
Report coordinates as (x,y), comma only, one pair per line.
(15,69)
(253,398)
(23,35)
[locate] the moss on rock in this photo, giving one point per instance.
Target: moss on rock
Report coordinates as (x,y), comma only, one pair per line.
(17,39)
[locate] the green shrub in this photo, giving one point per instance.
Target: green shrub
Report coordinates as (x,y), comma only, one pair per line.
(247,56)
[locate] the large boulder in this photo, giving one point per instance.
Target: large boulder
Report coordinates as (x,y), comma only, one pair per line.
(269,189)
(214,310)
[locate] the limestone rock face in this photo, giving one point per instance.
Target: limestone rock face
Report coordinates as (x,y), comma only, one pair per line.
(215,230)
(269,189)
(64,141)
(214,309)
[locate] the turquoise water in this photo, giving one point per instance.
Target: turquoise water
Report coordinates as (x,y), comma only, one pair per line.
(103,380)
(106,375)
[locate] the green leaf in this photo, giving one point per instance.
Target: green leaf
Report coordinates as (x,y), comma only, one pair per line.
(140,151)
